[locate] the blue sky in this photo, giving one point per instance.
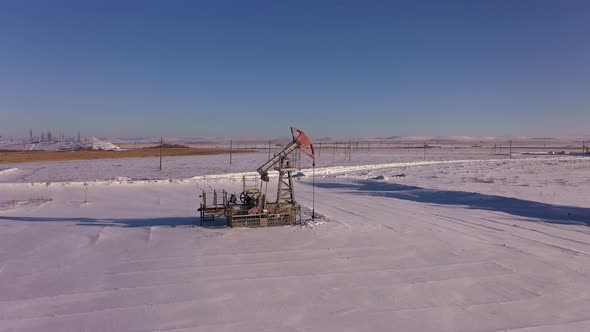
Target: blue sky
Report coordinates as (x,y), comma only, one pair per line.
(333,68)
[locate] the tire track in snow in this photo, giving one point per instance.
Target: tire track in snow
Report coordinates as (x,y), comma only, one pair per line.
(465,261)
(472,223)
(507,234)
(480,270)
(95,239)
(511,228)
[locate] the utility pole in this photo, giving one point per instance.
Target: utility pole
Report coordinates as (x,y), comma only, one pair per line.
(231,143)
(161,146)
(424,150)
(349,150)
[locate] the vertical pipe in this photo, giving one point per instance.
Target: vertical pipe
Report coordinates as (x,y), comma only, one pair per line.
(313,192)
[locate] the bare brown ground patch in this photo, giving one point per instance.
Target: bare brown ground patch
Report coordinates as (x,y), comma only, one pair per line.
(34,156)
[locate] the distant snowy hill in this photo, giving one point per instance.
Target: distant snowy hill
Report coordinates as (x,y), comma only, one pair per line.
(103,145)
(94,144)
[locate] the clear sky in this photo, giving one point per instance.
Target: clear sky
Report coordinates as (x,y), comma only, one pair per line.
(334,68)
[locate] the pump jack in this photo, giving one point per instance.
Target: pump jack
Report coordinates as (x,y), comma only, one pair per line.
(254,210)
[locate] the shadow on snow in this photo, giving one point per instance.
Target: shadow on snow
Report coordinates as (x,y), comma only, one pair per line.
(557,214)
(131,222)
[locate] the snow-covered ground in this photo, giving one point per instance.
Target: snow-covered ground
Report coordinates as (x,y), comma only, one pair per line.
(463,242)
(189,166)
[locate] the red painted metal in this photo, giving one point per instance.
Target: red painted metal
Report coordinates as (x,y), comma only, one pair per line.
(304,142)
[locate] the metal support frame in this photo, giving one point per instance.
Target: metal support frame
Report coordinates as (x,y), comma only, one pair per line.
(285,191)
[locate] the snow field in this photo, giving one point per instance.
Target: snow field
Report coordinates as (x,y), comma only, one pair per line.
(190,166)
(477,245)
